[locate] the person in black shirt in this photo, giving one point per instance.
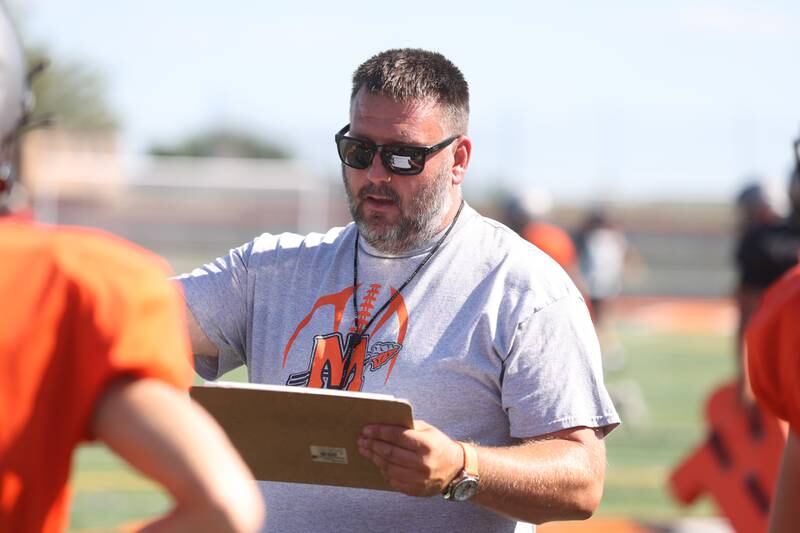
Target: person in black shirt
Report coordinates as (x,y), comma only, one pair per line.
(764,253)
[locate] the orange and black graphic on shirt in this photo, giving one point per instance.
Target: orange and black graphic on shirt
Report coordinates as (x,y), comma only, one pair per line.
(338,361)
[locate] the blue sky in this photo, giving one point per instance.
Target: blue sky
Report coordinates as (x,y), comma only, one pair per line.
(593,100)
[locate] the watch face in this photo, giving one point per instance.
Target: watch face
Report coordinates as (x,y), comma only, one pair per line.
(465,489)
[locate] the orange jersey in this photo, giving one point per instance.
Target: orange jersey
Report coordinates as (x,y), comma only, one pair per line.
(773,349)
(553,241)
(79,309)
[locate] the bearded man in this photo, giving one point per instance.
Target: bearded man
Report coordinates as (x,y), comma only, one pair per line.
(425,299)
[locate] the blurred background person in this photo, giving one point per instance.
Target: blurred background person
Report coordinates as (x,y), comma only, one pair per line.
(766,250)
(527,213)
(603,252)
(90,348)
(757,205)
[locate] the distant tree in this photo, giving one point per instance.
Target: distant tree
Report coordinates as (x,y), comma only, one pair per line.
(73,93)
(222,141)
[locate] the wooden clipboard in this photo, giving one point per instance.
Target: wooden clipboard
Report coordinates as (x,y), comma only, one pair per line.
(302,435)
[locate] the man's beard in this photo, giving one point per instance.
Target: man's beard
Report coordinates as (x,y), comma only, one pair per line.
(420,218)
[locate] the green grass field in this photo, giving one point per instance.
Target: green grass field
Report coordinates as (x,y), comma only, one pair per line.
(674,374)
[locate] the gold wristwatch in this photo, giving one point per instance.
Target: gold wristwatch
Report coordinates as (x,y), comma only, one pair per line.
(465,485)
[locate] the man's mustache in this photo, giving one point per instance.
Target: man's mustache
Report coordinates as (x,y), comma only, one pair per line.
(382,190)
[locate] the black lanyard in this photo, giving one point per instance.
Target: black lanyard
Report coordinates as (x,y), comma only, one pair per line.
(355,339)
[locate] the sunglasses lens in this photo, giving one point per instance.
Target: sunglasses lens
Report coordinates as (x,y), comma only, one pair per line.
(355,153)
(404,160)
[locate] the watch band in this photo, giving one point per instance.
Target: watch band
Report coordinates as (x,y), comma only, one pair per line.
(465,485)
(470,459)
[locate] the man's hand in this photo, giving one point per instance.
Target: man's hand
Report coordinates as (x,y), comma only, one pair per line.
(555,476)
(419,462)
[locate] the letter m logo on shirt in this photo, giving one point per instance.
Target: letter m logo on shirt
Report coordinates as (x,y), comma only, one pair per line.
(336,363)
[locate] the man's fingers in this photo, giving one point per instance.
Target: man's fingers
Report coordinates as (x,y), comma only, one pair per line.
(399,436)
(400,478)
(388,453)
(409,459)
(395,434)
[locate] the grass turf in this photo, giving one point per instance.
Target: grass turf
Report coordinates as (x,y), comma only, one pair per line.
(674,374)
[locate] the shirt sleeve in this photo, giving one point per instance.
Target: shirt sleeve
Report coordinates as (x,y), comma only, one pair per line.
(553,377)
(218,296)
(125,319)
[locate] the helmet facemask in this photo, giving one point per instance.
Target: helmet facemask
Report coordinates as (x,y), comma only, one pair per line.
(16,104)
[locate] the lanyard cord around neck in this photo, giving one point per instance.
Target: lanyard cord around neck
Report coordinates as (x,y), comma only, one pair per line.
(396,293)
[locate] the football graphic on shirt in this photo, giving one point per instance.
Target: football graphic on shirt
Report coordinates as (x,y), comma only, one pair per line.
(338,360)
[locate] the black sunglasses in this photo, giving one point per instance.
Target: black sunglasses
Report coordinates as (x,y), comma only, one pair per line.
(399,159)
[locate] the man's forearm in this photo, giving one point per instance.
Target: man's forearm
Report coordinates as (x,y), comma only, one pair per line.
(543,480)
(558,476)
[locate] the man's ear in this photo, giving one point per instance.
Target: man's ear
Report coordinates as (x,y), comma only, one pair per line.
(461,158)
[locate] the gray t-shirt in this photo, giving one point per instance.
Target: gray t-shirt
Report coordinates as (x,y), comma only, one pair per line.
(490,342)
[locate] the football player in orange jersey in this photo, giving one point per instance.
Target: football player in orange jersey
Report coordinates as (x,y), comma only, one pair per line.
(88,342)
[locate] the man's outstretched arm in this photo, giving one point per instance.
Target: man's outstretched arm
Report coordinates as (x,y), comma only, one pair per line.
(162,433)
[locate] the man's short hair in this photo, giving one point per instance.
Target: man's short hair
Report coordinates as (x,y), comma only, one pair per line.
(412,74)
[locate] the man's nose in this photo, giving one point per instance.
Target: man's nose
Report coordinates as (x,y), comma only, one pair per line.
(377,172)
